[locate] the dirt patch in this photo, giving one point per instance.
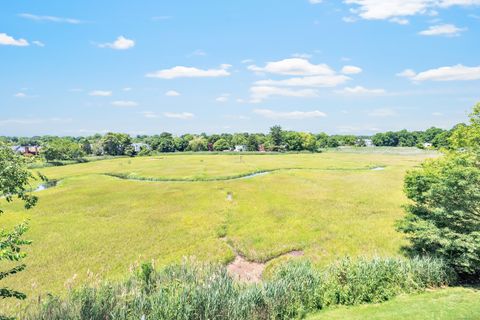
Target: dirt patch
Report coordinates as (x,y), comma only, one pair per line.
(246,271)
(295,253)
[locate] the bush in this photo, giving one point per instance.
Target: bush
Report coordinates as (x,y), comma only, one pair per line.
(202,291)
(443,220)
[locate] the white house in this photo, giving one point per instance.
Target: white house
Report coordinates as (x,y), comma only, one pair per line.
(368,143)
(139,146)
(240,148)
(427,145)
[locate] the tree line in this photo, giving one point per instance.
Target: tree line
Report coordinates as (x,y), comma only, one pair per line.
(277,140)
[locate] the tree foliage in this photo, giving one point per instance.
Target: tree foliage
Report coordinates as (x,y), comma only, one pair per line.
(14,183)
(443,219)
(62,149)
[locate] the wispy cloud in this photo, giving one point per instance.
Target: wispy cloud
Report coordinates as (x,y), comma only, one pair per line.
(124,103)
(121,43)
(260,93)
(448,30)
(190,72)
(290,115)
(382,112)
(50,18)
(7,40)
(149,114)
(179,115)
(452,73)
(172,93)
(359,90)
(100,93)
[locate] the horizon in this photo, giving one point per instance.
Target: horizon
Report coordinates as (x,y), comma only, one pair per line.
(340,67)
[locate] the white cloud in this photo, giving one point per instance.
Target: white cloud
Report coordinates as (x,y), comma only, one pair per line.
(149,114)
(291,115)
(190,72)
(392,9)
(20,95)
(127,89)
(7,40)
(50,18)
(313,81)
(359,90)
(401,21)
(38,43)
(407,73)
(121,43)
(259,93)
(223,97)
(293,67)
(172,93)
(315,1)
(448,30)
(124,103)
(454,73)
(247,61)
(437,114)
(198,52)
(302,55)
(30,121)
(180,115)
(100,93)
(382,112)
(351,70)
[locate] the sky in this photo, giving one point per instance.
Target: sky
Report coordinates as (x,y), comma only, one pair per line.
(144,67)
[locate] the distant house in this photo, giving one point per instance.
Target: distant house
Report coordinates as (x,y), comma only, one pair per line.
(240,148)
(368,143)
(139,146)
(27,150)
(427,145)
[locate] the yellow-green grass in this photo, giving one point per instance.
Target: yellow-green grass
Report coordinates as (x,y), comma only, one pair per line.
(93,222)
(445,304)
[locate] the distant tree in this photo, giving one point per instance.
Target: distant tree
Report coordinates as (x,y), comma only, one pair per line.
(162,143)
(14,183)
(198,144)
(322,140)
(239,139)
(276,137)
(252,142)
(221,145)
(293,141)
(114,144)
(62,149)
(181,144)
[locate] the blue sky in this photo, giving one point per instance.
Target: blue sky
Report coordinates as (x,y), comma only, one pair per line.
(144,67)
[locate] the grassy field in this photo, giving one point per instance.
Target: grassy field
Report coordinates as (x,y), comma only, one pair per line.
(446,304)
(328,205)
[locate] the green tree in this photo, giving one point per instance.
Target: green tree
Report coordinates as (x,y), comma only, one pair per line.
(276,136)
(114,144)
(198,144)
(14,183)
(62,149)
(221,145)
(443,219)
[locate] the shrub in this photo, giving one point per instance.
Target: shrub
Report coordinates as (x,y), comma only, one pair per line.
(202,291)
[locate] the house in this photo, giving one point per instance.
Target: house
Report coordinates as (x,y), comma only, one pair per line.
(368,143)
(27,150)
(139,146)
(427,145)
(240,148)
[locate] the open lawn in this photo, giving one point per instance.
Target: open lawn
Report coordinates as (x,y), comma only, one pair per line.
(446,304)
(327,205)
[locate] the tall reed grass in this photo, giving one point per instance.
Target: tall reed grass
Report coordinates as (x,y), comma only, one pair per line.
(198,291)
